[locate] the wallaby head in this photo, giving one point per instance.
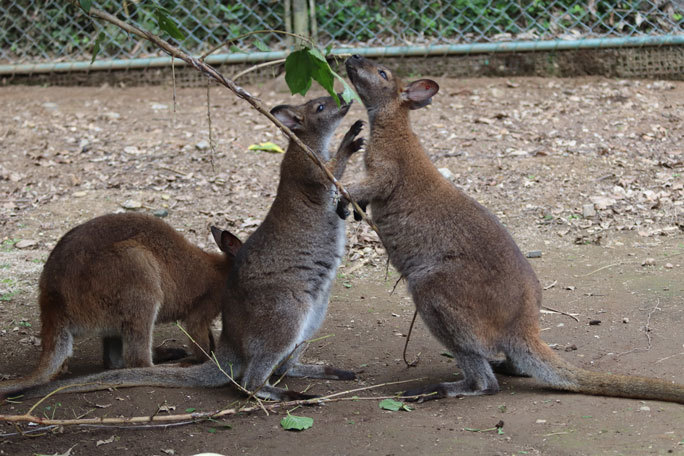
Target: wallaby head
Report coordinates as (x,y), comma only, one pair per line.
(314,122)
(227,242)
(382,90)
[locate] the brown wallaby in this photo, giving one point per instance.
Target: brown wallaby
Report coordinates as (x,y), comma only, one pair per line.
(115,276)
(277,293)
(470,283)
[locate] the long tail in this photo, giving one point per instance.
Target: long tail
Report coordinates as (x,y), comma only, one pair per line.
(541,362)
(202,375)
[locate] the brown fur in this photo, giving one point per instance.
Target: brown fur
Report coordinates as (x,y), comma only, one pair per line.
(115,276)
(470,283)
(278,290)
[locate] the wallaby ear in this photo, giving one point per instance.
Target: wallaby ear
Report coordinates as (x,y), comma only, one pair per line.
(227,241)
(418,94)
(289,116)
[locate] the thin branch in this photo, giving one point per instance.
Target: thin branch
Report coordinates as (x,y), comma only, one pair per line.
(255,32)
(212,149)
(408,337)
(256,67)
(647,330)
(211,72)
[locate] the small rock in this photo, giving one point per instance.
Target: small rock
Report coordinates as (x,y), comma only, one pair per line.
(161,213)
(602,202)
(534,254)
(159,106)
(131,204)
(594,322)
(669,266)
(80,194)
(571,347)
(570,287)
(588,210)
(625,320)
(111,115)
(202,145)
(644,408)
(132,150)
(26,243)
(84,145)
(541,421)
(50,106)
(446,172)
(649,262)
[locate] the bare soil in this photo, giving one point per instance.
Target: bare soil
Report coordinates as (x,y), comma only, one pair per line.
(588,171)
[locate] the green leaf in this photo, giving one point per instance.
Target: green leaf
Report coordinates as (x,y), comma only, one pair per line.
(348,93)
(296,423)
(234,48)
(190,409)
(317,54)
(261,46)
(447,354)
(167,24)
(391,404)
(298,69)
(96,47)
(328,49)
(267,147)
(85,5)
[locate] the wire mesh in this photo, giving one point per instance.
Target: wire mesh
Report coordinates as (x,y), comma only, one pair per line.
(54,30)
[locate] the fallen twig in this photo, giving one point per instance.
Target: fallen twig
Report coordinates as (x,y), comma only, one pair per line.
(560,312)
(647,330)
(408,337)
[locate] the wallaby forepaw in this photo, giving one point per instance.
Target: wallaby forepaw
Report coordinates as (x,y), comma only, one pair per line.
(357,145)
(356,127)
(342,210)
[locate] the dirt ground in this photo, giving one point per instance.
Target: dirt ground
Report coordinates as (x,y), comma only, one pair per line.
(587,171)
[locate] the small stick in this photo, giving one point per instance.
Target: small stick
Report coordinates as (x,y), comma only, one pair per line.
(647,330)
(600,269)
(561,312)
(173,78)
(211,140)
(408,337)
(551,285)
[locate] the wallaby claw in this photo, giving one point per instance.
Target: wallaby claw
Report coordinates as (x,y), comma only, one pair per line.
(357,145)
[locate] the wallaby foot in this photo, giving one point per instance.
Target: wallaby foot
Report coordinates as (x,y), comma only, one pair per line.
(446,389)
(167,354)
(112,352)
(315,371)
(272,393)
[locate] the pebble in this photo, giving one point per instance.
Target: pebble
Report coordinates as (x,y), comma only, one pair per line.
(80,194)
(649,262)
(645,408)
(202,145)
(159,106)
(669,266)
(161,213)
(111,115)
(625,320)
(446,172)
(131,204)
(132,150)
(50,106)
(534,254)
(588,211)
(26,243)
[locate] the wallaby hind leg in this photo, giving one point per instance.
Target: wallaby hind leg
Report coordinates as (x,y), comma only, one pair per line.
(137,344)
(505,366)
(112,352)
(478,379)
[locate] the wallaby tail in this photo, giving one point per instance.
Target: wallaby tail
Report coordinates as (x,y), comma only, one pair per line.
(56,348)
(202,375)
(540,361)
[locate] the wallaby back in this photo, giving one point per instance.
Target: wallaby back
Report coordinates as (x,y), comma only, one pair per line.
(277,293)
(471,284)
(115,276)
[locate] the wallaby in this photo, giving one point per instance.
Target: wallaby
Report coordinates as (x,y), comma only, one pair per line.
(470,283)
(277,293)
(115,276)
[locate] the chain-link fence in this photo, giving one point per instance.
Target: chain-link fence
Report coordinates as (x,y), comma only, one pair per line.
(55,30)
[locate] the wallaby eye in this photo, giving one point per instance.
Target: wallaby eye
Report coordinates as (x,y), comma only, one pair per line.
(320,108)
(383,75)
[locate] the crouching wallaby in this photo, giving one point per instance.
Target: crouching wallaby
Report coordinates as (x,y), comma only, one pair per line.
(470,283)
(115,276)
(277,293)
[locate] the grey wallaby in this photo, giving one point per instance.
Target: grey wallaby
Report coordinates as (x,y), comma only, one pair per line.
(469,281)
(115,276)
(277,293)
